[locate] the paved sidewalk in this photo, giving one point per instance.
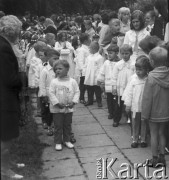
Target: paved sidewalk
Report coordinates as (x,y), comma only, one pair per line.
(96,138)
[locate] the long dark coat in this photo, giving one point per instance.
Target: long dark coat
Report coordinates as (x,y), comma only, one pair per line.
(10,85)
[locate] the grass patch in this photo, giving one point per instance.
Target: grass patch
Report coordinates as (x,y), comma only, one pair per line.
(28,149)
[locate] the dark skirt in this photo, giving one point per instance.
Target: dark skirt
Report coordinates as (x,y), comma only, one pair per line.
(9,125)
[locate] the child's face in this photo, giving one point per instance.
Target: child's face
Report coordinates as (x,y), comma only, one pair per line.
(87,26)
(52,60)
(115,26)
(112,55)
(41,55)
(125,55)
(93,49)
(136,24)
(141,72)
(52,42)
(125,16)
(148,19)
(61,71)
(63,37)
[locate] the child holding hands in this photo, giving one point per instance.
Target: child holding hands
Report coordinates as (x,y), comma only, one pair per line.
(122,72)
(133,99)
(64,94)
(105,77)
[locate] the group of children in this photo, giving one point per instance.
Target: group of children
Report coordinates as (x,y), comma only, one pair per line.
(123,71)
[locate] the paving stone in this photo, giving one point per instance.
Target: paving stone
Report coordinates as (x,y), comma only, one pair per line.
(81,111)
(103,120)
(50,154)
(80,177)
(84,119)
(86,129)
(93,141)
(120,135)
(62,168)
(90,155)
(98,111)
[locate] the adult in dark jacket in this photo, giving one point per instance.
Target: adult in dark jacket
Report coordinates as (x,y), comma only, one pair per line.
(10,84)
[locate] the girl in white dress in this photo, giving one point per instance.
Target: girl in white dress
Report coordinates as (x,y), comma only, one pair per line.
(66,51)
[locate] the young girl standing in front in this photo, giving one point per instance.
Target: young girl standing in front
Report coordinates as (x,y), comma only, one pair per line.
(122,72)
(133,100)
(64,94)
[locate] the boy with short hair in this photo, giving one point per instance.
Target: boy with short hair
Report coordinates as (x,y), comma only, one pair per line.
(105,77)
(46,77)
(155,103)
(82,54)
(50,40)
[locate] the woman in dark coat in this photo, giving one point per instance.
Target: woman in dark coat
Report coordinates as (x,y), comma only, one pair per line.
(10,84)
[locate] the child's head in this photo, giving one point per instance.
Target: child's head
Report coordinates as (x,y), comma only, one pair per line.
(61,68)
(95,37)
(62,37)
(94,47)
(50,39)
(149,42)
(137,20)
(85,39)
(158,57)
(51,55)
(126,51)
(40,48)
(142,66)
(113,50)
(88,24)
(114,25)
(149,18)
(124,14)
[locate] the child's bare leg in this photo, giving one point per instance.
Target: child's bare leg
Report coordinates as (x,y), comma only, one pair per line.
(154,130)
(162,139)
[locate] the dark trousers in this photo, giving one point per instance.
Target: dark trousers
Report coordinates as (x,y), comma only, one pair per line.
(62,125)
(46,114)
(118,109)
(111,103)
(139,128)
(82,88)
(94,89)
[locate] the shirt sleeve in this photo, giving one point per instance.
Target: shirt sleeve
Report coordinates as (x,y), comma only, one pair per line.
(80,59)
(128,94)
(101,74)
(52,96)
(42,83)
(76,92)
(147,100)
(126,39)
(115,75)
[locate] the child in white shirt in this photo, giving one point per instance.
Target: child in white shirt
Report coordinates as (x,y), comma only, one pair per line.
(47,75)
(93,64)
(82,54)
(34,62)
(133,100)
(104,78)
(64,94)
(122,72)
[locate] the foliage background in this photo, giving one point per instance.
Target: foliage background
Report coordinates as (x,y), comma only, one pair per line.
(48,7)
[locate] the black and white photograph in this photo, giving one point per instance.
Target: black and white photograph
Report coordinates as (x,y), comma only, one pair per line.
(84,89)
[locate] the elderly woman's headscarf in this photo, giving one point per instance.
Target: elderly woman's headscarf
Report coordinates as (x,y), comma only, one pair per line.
(10,28)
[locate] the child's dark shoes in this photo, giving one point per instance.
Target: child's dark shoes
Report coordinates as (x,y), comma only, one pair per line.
(134,144)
